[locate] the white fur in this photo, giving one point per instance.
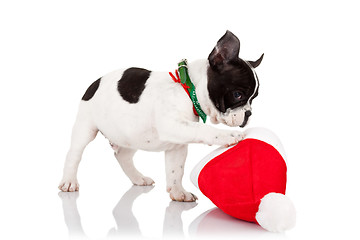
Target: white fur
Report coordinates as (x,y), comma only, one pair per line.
(276,213)
(162,120)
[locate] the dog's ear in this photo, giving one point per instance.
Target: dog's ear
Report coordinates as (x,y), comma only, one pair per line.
(257,62)
(226,50)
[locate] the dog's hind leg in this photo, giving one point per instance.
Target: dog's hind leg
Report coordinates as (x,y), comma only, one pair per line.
(125,159)
(82,134)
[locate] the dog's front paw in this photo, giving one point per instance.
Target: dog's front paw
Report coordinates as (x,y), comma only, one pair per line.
(68,196)
(69,185)
(180,195)
(142,181)
(228,138)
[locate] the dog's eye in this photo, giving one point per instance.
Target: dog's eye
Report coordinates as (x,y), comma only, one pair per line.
(237,95)
(235,98)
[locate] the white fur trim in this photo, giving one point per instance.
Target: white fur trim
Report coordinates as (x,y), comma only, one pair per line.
(262,134)
(194,175)
(276,213)
(267,136)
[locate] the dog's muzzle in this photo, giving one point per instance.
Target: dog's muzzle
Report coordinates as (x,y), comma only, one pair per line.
(246,118)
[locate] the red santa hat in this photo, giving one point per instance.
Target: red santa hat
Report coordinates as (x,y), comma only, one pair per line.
(248,180)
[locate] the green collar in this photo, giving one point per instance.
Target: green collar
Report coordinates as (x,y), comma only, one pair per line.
(190,88)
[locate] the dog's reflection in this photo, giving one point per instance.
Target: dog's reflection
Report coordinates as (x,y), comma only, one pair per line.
(125,220)
(173,225)
(71,213)
(126,223)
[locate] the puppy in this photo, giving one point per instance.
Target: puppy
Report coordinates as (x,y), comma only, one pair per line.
(139,109)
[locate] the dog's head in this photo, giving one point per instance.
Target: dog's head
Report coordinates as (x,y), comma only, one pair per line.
(232,82)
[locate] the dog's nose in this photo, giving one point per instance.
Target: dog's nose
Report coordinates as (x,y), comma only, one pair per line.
(246,118)
(247,114)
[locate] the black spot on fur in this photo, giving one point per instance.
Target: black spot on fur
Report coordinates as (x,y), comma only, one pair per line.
(90,92)
(132,84)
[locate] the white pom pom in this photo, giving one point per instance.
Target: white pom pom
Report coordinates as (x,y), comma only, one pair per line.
(276,213)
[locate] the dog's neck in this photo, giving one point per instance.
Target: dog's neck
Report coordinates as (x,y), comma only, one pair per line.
(198,71)
(198,75)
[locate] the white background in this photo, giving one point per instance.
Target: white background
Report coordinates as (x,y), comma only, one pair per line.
(51,51)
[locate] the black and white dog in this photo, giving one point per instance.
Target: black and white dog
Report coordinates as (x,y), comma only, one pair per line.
(139,109)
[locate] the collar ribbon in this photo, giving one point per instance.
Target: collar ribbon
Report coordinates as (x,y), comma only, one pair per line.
(182,77)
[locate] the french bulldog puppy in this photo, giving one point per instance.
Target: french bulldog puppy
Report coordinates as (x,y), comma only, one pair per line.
(139,109)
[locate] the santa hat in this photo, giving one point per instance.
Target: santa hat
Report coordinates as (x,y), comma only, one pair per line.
(248,180)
